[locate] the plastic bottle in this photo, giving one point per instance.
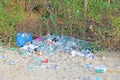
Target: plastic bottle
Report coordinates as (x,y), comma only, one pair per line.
(100,69)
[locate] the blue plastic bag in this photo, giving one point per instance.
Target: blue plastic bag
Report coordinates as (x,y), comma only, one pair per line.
(22,38)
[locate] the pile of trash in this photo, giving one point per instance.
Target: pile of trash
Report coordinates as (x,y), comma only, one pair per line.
(53,44)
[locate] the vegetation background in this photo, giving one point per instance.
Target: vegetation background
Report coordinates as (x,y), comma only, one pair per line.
(97,21)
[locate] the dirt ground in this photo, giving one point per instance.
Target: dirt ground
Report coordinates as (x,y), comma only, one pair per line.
(60,66)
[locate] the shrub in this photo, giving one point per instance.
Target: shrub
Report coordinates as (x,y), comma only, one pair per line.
(8,19)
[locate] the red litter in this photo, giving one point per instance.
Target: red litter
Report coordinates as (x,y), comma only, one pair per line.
(45,61)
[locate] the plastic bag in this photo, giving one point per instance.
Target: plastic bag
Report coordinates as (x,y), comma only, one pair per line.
(22,38)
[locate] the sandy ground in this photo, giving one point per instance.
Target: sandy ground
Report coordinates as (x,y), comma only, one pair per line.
(59,67)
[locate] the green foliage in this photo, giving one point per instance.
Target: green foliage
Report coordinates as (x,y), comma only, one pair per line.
(105,19)
(4,3)
(7,22)
(96,9)
(72,10)
(116,23)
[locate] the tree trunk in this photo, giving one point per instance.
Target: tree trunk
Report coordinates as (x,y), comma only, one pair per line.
(16,1)
(85,6)
(26,5)
(109,1)
(32,2)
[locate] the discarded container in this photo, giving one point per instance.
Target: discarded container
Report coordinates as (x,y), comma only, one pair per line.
(38,53)
(12,62)
(100,69)
(73,53)
(97,78)
(38,39)
(12,49)
(3,56)
(31,67)
(85,51)
(45,61)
